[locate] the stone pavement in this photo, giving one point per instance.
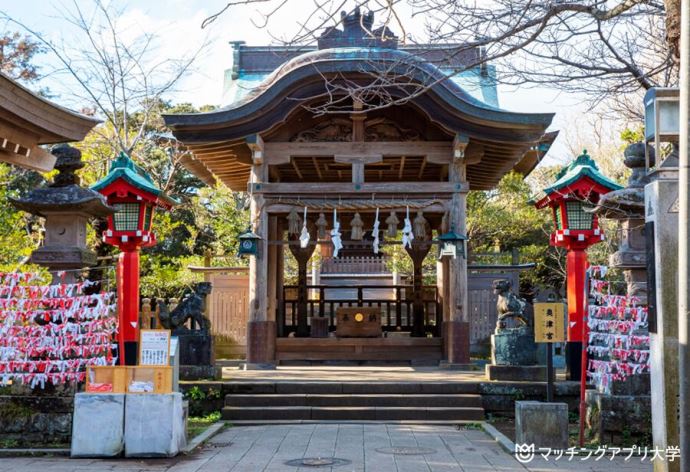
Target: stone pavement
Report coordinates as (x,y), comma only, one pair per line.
(362,446)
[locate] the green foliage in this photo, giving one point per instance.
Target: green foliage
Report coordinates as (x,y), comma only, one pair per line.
(198,424)
(630,136)
(19,231)
(195,393)
(504,219)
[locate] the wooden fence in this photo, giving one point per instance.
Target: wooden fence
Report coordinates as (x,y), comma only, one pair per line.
(353,265)
(226,308)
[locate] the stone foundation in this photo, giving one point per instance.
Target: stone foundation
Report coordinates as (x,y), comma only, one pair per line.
(619,419)
(35,418)
(545,425)
(518,373)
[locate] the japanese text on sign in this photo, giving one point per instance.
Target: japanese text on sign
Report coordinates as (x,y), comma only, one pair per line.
(549,320)
(154,347)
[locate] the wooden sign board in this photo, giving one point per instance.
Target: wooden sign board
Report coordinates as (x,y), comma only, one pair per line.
(358,322)
(549,323)
(154,347)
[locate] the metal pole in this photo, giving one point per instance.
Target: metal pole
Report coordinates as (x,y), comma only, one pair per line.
(683,233)
(549,372)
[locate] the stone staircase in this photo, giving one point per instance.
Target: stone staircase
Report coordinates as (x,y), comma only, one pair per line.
(297,401)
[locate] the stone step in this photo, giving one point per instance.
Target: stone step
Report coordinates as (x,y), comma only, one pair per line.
(367,400)
(320,387)
(350,413)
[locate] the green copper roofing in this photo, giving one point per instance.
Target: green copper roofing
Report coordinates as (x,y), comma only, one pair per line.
(123,167)
(451,236)
(582,166)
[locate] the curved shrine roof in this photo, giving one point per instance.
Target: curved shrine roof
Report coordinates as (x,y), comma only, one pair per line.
(218,138)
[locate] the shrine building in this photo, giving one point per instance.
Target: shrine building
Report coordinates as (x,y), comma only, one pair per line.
(351,130)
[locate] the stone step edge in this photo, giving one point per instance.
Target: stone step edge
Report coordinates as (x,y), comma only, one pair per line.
(347,399)
(356,408)
(400,422)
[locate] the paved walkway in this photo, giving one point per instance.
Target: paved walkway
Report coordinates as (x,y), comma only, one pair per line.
(268,448)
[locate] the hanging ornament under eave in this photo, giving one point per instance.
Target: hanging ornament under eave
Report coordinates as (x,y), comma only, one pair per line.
(293,222)
(304,236)
(376,232)
(392,222)
(335,234)
(421,226)
(321,225)
(357,225)
(408,235)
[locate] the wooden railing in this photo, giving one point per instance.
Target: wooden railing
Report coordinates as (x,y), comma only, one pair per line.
(353,265)
(395,301)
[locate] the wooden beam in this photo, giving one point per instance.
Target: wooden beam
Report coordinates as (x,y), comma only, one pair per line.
(316,166)
(421,169)
(474,153)
(358,158)
(256,144)
(438,152)
(329,188)
(460,142)
(38,159)
(294,166)
(402,167)
(274,206)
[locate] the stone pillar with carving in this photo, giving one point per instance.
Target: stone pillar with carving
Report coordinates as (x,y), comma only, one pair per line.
(67,208)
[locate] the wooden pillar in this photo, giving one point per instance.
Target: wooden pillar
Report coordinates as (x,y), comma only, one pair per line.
(302,256)
(418,252)
(280,264)
(457,327)
(272,266)
(261,332)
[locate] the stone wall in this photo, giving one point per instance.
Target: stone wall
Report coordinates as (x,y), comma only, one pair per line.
(31,418)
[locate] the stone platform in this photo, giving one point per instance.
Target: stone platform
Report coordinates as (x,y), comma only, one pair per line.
(518,373)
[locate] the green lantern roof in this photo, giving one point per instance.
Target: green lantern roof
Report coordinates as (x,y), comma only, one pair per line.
(123,167)
(451,236)
(582,166)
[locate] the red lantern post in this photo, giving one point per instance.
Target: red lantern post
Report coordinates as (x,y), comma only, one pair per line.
(133,194)
(577,188)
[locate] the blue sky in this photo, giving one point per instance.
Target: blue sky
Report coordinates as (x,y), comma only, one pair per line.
(178,24)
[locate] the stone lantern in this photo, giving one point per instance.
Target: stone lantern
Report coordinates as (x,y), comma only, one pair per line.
(67,208)
(627,206)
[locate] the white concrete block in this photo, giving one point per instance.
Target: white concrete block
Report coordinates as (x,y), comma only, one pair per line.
(98,425)
(154,425)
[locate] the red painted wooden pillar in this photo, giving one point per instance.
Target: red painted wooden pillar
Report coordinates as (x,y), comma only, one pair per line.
(128,303)
(577,304)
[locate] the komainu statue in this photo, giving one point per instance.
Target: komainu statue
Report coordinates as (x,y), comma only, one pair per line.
(512,343)
(512,310)
(191,307)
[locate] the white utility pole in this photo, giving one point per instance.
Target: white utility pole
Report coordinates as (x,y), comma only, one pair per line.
(683,234)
